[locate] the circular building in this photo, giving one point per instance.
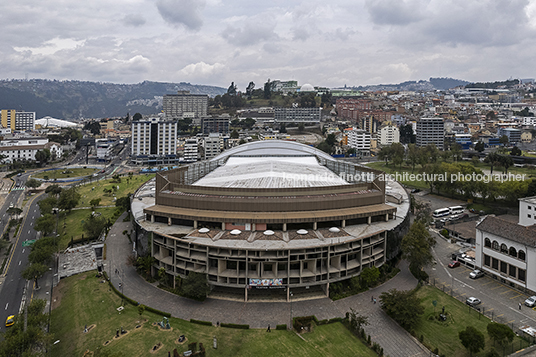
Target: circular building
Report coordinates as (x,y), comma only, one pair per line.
(270,218)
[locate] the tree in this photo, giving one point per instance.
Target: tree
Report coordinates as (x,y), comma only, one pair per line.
(472,339)
(480,146)
(249,89)
(42,156)
(331,139)
(514,152)
(402,306)
(417,246)
(406,134)
(301,127)
(195,286)
(370,275)
(93,226)
(506,162)
(504,140)
(324,146)
(232,89)
(356,320)
(267,90)
(137,117)
(14,211)
(397,153)
(34,272)
(54,190)
(493,159)
(68,199)
(94,203)
(385,154)
(123,203)
(33,183)
(46,224)
(413,155)
(234,134)
(500,333)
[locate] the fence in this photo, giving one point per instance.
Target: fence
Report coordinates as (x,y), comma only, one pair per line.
(526,339)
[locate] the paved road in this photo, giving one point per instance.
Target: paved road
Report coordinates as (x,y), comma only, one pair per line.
(394,340)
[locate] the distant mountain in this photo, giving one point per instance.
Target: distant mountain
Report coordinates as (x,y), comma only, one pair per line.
(77,99)
(422,85)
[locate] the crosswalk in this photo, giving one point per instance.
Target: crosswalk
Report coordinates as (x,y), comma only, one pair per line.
(20,188)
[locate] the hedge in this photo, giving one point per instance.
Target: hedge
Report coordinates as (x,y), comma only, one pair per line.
(244,327)
(281,327)
(200,322)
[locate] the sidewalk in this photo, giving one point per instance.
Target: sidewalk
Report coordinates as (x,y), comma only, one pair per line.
(395,341)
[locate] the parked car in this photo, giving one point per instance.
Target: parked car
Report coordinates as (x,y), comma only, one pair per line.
(10,321)
(531,301)
(472,301)
(475,274)
(454,264)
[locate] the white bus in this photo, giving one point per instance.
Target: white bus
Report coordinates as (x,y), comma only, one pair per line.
(456,209)
(441,212)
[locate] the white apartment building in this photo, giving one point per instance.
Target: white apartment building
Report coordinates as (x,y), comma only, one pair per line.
(359,139)
(185,105)
(431,131)
(507,250)
(211,146)
(154,141)
(191,150)
(25,149)
(531,121)
(389,134)
(104,149)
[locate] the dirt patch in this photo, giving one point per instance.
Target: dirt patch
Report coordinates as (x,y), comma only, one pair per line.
(181,343)
(89,328)
(156,347)
(57,294)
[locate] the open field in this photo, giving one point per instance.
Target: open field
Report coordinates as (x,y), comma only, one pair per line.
(444,335)
(83,300)
(64,173)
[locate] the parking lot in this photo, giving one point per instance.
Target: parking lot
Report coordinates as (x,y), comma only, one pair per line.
(500,302)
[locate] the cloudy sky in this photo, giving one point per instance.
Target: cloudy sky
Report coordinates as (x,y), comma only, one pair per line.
(214,42)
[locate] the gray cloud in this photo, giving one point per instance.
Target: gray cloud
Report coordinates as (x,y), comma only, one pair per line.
(395,12)
(182,12)
(249,34)
(134,20)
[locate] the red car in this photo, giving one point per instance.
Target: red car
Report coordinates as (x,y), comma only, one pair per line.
(454,264)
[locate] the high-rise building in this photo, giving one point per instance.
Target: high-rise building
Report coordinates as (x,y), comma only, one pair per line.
(185,105)
(17,120)
(358,139)
(389,134)
(211,146)
(154,141)
(191,150)
(215,124)
(431,131)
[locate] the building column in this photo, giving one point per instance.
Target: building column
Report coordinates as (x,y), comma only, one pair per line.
(152,218)
(288,293)
(222,226)
(246,293)
(169,221)
(369,219)
(343,223)
(315,226)
(386,217)
(253,227)
(327,289)
(284,227)
(195,224)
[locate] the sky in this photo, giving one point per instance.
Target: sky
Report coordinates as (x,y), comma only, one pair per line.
(216,42)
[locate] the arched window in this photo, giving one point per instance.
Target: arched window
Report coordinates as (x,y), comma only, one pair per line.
(513,252)
(504,248)
(495,245)
(521,255)
(487,243)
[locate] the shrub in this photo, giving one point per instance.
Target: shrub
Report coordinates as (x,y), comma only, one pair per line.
(200,322)
(243,327)
(281,327)
(445,233)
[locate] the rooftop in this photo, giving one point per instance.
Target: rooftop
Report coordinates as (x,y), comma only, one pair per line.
(509,230)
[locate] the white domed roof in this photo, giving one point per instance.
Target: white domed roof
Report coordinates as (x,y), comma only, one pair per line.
(307,88)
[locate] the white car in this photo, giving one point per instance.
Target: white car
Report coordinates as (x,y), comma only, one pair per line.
(472,301)
(475,274)
(531,301)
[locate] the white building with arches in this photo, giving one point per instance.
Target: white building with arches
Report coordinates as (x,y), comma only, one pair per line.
(507,250)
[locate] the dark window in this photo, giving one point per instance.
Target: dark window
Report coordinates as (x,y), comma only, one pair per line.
(513,252)
(495,245)
(521,255)
(231,265)
(512,271)
(487,243)
(521,274)
(504,248)
(268,267)
(495,263)
(253,267)
(487,260)
(504,268)
(281,267)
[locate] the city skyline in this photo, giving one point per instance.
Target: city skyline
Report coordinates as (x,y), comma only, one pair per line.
(213,42)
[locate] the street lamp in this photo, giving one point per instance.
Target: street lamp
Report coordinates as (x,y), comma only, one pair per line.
(291,295)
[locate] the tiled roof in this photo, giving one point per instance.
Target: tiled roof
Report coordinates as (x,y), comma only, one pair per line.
(509,230)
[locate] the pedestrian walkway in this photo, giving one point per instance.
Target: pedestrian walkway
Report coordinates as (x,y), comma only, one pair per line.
(395,341)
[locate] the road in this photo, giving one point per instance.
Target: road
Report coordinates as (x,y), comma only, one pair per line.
(13,288)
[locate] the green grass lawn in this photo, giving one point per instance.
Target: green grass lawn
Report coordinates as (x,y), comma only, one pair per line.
(95,189)
(444,335)
(70,225)
(64,173)
(83,300)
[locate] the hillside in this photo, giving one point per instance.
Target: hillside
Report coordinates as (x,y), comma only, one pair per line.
(422,85)
(77,99)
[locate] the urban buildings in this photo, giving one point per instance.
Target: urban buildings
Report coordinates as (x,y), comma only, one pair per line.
(191,150)
(297,115)
(185,105)
(215,124)
(258,217)
(359,140)
(430,131)
(389,134)
(211,146)
(17,120)
(507,250)
(154,141)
